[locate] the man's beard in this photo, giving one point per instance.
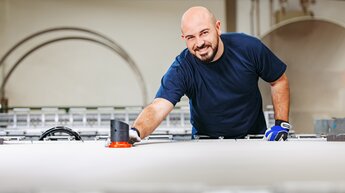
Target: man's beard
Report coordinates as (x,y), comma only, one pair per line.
(208,58)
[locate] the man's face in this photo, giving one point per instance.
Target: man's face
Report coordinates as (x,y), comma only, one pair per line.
(202,39)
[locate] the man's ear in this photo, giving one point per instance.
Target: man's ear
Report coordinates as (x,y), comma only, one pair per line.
(218,27)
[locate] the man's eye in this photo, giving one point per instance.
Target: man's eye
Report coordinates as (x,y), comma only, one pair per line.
(189,38)
(204,33)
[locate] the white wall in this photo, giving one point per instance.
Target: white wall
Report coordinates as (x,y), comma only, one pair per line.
(75,73)
(330,9)
(309,61)
(327,9)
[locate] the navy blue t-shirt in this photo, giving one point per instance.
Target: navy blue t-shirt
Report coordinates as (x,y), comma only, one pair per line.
(224,96)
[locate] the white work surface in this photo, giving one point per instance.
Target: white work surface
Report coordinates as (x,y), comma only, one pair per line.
(174,166)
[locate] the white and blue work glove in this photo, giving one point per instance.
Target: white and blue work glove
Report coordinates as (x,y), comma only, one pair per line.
(134,135)
(279,132)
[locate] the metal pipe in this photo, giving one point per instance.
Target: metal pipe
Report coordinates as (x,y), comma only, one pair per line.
(271,12)
(257,17)
(15,46)
(252,17)
(115,47)
(110,46)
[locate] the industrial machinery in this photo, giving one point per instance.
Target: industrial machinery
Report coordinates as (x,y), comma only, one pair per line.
(88,123)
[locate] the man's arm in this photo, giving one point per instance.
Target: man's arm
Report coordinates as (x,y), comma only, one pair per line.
(281,98)
(281,103)
(150,118)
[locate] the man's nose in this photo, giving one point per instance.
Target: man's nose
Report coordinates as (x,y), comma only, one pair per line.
(199,42)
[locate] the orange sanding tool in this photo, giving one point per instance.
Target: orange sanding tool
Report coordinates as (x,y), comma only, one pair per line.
(119,134)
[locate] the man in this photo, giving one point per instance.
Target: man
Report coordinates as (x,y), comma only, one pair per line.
(219,74)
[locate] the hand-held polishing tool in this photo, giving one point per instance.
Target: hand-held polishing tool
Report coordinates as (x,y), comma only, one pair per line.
(119,134)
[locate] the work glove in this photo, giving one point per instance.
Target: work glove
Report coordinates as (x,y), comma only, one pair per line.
(134,136)
(279,132)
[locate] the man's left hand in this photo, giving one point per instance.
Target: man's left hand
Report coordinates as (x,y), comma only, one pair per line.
(279,132)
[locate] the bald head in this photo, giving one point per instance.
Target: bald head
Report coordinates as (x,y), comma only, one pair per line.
(197,14)
(202,33)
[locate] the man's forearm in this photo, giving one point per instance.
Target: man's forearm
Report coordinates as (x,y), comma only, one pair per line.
(281,98)
(150,118)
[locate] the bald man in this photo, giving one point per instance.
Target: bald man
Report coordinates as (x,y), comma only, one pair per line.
(219,74)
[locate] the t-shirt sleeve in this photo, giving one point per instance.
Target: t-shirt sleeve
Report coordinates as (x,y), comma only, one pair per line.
(269,66)
(172,84)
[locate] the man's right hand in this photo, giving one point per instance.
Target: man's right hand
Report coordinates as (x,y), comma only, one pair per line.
(134,136)
(279,132)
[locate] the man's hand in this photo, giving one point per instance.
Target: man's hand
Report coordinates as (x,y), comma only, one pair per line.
(134,136)
(279,132)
